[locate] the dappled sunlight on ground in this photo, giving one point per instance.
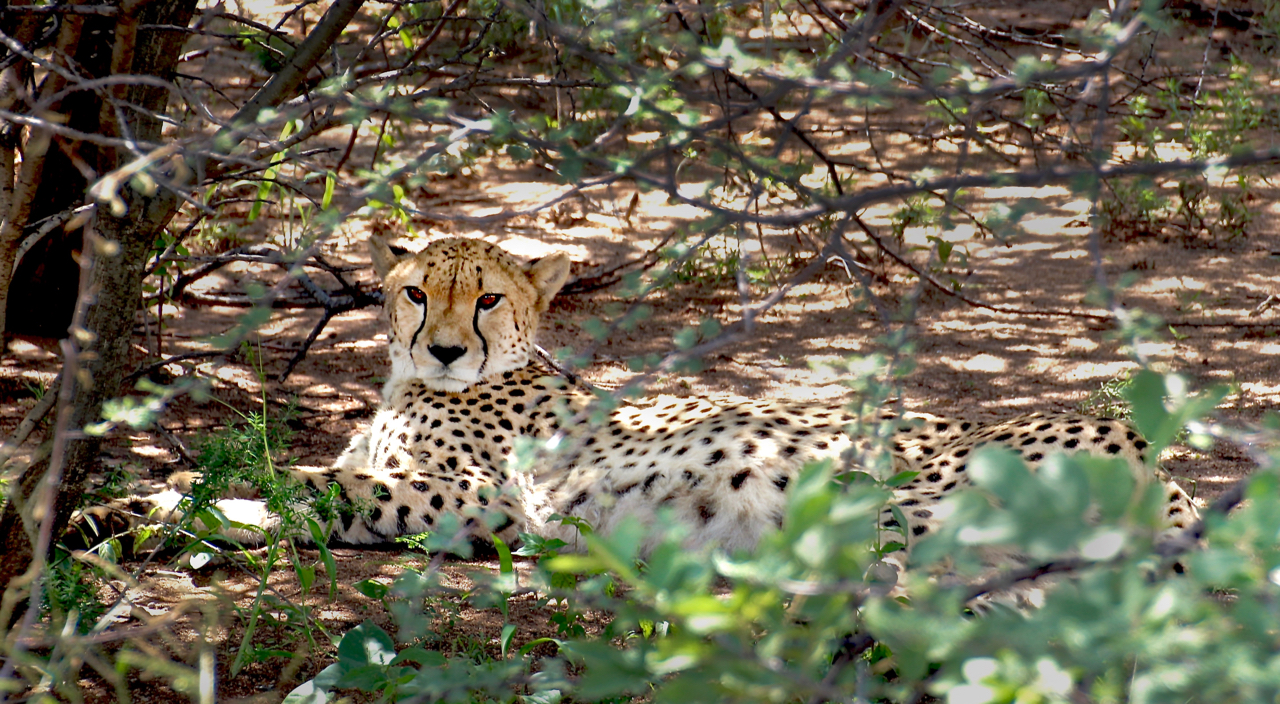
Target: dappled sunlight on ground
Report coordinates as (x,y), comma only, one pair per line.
(1045,350)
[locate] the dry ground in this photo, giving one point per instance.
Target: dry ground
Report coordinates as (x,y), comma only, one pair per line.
(970,361)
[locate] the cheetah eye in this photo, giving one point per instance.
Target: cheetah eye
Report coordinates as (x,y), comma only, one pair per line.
(488,301)
(416,295)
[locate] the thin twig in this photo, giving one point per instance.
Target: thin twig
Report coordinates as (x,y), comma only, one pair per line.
(156,366)
(44,497)
(1038,312)
(31,420)
(609,276)
(549,359)
(934,283)
(103,10)
(177,445)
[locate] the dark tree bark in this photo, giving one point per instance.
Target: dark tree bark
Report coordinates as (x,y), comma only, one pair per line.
(112,45)
(110,294)
(48,273)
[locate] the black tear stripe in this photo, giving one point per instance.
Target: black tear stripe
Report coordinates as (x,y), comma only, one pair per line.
(484,344)
(413,341)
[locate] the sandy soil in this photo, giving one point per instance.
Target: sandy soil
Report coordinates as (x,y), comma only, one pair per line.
(970,361)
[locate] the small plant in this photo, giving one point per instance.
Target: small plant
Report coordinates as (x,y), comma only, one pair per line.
(567,619)
(71,592)
(36,389)
(244,452)
(1134,208)
(716,263)
(1109,400)
(1202,205)
(918,211)
(248,453)
(418,541)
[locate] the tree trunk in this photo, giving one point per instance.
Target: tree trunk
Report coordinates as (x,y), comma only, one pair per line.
(109,297)
(27,199)
(114,287)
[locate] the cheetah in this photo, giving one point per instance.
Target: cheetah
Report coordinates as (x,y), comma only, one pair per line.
(465,390)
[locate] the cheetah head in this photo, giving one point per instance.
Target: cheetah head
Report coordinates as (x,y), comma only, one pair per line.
(462,310)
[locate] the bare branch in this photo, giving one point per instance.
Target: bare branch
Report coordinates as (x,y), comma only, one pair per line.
(103,10)
(31,420)
(287,80)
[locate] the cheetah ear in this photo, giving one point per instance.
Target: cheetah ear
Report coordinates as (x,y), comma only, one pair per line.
(548,274)
(385,256)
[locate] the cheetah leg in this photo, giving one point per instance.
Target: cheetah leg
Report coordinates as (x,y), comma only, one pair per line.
(120,517)
(356,455)
(249,521)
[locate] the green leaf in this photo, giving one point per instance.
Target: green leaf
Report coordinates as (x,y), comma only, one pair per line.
(330,182)
(608,671)
(533,545)
(1219,568)
(570,167)
(505,565)
(575,564)
(316,690)
(367,678)
(528,647)
(372,589)
(900,518)
(508,631)
(999,470)
(1146,395)
(519,153)
(264,190)
(1111,484)
(944,248)
(366,644)
(1066,481)
(901,478)
(306,576)
(1162,406)
(686,338)
(321,542)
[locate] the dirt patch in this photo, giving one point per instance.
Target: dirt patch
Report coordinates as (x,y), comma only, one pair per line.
(1035,343)
(971,362)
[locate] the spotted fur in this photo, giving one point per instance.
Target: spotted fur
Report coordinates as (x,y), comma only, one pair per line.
(464,315)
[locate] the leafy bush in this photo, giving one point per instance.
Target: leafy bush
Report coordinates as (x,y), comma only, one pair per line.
(1128,612)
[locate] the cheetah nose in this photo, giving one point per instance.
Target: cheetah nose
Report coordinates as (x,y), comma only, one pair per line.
(446,355)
